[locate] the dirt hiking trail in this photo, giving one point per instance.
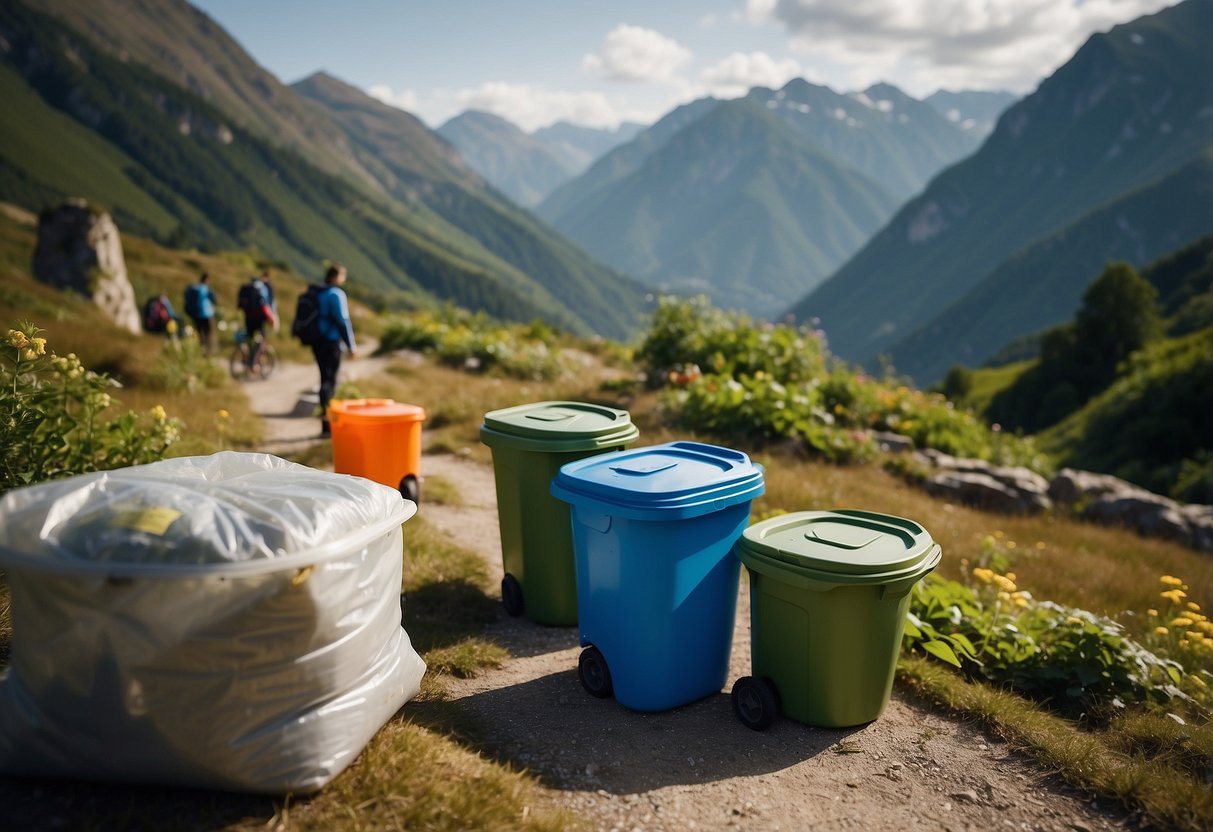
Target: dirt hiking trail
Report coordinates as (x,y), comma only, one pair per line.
(697,767)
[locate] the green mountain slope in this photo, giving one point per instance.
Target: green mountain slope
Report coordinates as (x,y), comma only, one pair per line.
(737,205)
(181,43)
(888,136)
(1153,425)
(1042,284)
(1131,106)
(226,187)
(421,169)
(579,195)
(520,166)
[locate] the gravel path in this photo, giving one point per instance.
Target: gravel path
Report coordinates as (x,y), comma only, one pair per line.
(696,767)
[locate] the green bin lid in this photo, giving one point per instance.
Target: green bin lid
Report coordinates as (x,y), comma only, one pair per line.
(558,427)
(841,542)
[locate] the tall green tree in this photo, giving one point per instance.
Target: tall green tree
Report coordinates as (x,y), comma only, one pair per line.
(1118,316)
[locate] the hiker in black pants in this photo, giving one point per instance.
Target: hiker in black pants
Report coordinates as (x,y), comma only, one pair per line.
(336,333)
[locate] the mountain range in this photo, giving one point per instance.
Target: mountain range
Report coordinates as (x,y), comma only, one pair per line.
(172,126)
(755,200)
(974,111)
(1108,157)
(527,167)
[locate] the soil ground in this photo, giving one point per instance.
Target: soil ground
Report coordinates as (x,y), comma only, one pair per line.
(696,767)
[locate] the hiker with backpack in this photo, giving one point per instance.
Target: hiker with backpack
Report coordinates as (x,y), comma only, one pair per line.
(256,300)
(200,306)
(322,322)
(159,317)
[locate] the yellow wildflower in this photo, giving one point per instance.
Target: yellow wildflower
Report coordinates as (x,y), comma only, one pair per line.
(1004,596)
(158,413)
(29,354)
(1021,602)
(17,339)
(1180,622)
(1004,583)
(1207,626)
(1010,576)
(171,327)
(1196,616)
(1073,620)
(1194,635)
(1040,544)
(1174,595)
(1200,683)
(1195,607)
(1152,613)
(1161,631)
(39,345)
(1183,642)
(222,414)
(1170,580)
(984,575)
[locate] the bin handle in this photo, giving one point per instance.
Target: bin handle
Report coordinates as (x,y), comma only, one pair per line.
(896,589)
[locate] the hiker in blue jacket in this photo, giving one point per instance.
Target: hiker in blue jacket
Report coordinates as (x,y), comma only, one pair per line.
(200,305)
(336,333)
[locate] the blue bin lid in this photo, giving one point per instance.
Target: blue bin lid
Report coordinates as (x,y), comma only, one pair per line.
(673,481)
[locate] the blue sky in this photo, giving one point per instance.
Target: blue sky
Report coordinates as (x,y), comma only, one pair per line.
(598,63)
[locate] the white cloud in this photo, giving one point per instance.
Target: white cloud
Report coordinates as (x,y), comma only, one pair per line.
(636,54)
(946,43)
(739,72)
(405,99)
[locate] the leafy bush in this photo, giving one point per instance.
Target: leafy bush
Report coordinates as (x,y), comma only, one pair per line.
(52,417)
(1077,662)
(473,342)
(732,377)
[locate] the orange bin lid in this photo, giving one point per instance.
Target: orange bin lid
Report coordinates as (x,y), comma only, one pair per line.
(374,410)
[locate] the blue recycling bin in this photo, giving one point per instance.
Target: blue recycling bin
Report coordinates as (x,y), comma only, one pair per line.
(653,530)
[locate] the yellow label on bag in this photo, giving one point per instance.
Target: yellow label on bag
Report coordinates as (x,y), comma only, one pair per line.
(151,520)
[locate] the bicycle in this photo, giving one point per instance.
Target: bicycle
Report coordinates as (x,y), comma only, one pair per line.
(258,362)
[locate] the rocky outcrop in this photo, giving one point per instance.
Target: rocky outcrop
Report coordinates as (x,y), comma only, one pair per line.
(977,482)
(1100,498)
(1113,501)
(79,250)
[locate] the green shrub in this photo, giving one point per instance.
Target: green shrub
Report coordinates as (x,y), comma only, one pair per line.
(729,376)
(474,343)
(52,417)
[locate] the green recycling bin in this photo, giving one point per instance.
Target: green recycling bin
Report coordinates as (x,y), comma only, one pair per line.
(829,592)
(530,443)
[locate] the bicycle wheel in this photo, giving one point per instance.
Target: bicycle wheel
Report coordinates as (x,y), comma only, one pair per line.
(268,361)
(239,363)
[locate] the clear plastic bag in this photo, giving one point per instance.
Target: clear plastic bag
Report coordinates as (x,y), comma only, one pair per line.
(229,621)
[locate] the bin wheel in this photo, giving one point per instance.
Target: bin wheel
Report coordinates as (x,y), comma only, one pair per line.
(755,702)
(594,673)
(410,489)
(511,595)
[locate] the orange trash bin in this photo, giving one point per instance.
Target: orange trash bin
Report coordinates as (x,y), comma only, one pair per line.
(378,439)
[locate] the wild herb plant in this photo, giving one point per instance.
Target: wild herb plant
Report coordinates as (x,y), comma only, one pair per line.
(53,417)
